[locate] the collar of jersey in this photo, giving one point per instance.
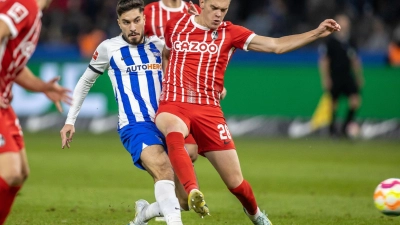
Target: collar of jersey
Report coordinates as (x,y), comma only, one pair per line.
(169,9)
(198,25)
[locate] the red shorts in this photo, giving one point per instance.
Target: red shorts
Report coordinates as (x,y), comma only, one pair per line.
(206,123)
(190,140)
(11,139)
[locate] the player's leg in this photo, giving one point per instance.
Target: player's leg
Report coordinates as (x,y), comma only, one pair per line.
(11,180)
(13,161)
(192,149)
(145,144)
(335,92)
(171,123)
(228,167)
(155,160)
(354,102)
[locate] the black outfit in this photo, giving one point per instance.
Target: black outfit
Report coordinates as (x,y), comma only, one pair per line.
(341,73)
(340,54)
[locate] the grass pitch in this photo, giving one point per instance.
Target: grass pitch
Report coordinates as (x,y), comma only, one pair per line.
(297,182)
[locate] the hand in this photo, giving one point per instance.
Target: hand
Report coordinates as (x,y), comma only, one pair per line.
(56,93)
(192,9)
(223,93)
(66,135)
(3,104)
(327,27)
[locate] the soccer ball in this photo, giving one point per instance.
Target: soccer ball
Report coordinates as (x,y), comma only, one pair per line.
(387,197)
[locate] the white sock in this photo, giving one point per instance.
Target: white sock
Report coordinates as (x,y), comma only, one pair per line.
(153,210)
(253,217)
(168,202)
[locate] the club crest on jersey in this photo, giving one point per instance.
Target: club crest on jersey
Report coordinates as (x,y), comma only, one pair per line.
(214,35)
(195,46)
(95,55)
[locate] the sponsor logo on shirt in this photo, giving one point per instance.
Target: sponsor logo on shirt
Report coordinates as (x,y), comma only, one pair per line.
(149,66)
(194,46)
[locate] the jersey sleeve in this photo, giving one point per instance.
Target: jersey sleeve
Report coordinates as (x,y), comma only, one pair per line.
(100,61)
(198,8)
(17,15)
(167,34)
(147,26)
(241,37)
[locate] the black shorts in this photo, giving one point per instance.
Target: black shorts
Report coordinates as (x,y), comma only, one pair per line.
(346,88)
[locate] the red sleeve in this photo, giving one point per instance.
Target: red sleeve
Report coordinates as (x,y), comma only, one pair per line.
(169,28)
(18,14)
(241,36)
(147,26)
(167,33)
(198,8)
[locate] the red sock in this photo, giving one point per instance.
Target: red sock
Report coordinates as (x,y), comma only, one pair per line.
(180,161)
(245,195)
(7,196)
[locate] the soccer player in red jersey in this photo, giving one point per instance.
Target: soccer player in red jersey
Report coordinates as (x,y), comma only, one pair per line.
(20,23)
(158,13)
(196,54)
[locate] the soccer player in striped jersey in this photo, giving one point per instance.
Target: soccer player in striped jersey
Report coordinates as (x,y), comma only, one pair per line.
(196,54)
(134,67)
(20,24)
(158,13)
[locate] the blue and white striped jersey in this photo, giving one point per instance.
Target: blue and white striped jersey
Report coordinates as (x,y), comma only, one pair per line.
(136,76)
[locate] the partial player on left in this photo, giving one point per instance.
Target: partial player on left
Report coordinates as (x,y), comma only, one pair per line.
(20,23)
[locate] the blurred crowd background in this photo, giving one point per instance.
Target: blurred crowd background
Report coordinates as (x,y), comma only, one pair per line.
(376,23)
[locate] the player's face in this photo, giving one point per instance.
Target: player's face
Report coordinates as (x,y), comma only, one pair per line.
(132,26)
(213,12)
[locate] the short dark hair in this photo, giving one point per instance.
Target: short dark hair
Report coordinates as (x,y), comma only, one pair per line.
(126,5)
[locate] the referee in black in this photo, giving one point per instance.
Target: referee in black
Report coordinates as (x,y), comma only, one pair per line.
(341,73)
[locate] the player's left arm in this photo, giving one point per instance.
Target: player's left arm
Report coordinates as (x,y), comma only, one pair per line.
(51,89)
(292,42)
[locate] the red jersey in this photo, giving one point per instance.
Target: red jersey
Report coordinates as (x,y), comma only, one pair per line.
(23,20)
(198,59)
(158,14)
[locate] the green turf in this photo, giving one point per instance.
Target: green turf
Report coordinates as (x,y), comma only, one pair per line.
(297,182)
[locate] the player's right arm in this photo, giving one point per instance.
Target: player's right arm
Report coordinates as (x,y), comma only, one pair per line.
(4,30)
(97,66)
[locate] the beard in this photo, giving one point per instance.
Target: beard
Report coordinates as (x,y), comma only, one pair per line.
(134,41)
